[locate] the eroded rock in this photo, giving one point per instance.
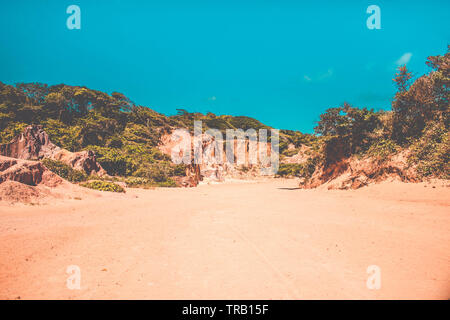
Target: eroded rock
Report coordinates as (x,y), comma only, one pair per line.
(34,144)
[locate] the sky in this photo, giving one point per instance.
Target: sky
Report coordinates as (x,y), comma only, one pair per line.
(282,62)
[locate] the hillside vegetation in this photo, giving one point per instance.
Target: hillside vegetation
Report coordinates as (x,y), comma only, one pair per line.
(125,136)
(418,122)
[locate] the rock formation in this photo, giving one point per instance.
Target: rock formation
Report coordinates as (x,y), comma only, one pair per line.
(209,170)
(34,144)
(27,172)
(354,173)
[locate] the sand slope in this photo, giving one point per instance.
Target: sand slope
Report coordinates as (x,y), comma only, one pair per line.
(267,240)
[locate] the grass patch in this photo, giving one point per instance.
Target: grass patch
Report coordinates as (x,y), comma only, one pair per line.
(431,153)
(382,149)
(103,186)
(300,170)
(139,182)
(65,171)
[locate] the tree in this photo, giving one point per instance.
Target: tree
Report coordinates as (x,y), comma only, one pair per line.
(402,79)
(35,92)
(333,122)
(425,100)
(403,118)
(353,126)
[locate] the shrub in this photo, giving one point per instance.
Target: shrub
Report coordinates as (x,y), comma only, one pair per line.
(169,183)
(153,172)
(301,170)
(63,135)
(64,170)
(382,148)
(103,186)
(179,170)
(431,153)
(244,123)
(290,153)
(138,182)
(218,123)
(114,161)
(11,131)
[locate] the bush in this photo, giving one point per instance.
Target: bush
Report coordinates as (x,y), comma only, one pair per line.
(169,183)
(179,170)
(431,153)
(114,161)
(289,153)
(244,123)
(382,148)
(64,170)
(103,186)
(300,170)
(138,182)
(63,135)
(11,131)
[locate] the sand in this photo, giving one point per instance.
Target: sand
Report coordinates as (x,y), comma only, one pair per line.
(259,240)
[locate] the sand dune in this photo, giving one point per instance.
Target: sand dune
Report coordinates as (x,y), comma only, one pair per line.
(259,240)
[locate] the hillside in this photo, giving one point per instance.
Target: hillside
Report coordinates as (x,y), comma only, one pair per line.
(356,145)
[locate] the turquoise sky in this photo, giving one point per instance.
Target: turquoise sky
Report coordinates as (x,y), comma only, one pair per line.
(282,62)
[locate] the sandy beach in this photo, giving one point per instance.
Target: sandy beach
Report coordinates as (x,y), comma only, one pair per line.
(254,240)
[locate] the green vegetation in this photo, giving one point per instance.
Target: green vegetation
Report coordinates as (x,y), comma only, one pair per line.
(103,186)
(300,170)
(125,136)
(381,149)
(419,121)
(431,153)
(65,171)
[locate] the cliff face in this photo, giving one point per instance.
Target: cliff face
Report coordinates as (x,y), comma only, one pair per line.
(240,166)
(34,144)
(31,173)
(354,173)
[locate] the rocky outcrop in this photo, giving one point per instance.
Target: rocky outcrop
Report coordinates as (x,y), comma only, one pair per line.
(31,173)
(82,160)
(303,154)
(211,171)
(34,144)
(26,181)
(354,173)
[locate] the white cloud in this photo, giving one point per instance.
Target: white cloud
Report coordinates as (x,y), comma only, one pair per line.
(319,77)
(404,59)
(326,75)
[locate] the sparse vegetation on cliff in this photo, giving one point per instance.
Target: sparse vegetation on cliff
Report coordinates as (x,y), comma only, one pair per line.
(125,136)
(103,186)
(418,122)
(65,171)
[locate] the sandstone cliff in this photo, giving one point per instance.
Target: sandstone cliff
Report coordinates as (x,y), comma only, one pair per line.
(210,170)
(34,144)
(354,173)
